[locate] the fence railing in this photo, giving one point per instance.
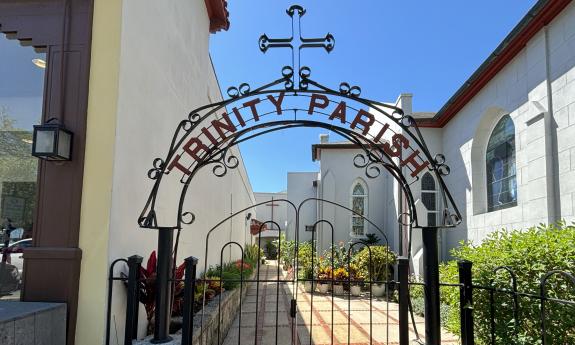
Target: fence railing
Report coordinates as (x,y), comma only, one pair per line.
(484,306)
(468,296)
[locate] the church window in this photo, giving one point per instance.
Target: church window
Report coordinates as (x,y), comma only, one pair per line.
(500,161)
(429,198)
(359,206)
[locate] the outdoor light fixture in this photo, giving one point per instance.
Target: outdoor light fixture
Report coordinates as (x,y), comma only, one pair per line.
(39,63)
(52,142)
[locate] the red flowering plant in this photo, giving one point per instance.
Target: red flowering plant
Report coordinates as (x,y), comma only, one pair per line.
(148,287)
(246,266)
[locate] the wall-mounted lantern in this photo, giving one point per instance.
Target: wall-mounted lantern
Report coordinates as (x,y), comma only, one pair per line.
(52,142)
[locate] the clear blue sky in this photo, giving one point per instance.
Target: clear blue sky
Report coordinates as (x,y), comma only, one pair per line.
(428,48)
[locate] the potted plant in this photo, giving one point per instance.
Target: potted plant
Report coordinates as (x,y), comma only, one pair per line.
(340,275)
(377,267)
(324,279)
(356,280)
(306,274)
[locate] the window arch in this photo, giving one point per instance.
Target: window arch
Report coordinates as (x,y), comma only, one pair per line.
(359,199)
(500,166)
(429,198)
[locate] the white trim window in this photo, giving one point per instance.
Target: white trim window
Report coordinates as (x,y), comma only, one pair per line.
(358,203)
(500,166)
(429,198)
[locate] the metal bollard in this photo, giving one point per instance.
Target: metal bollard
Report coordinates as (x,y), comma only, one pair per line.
(189,291)
(466,302)
(131,328)
(403,273)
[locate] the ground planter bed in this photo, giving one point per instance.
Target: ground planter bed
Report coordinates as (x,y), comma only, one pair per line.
(230,305)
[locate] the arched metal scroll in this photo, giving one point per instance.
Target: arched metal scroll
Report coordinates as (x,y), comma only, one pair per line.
(389,139)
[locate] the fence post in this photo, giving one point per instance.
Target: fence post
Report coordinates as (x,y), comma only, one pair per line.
(189,293)
(403,273)
(431,286)
(132,304)
(466,302)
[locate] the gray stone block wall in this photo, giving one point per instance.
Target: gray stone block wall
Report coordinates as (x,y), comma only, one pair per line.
(32,323)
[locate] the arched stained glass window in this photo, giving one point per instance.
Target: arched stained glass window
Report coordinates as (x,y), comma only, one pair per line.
(359,205)
(500,160)
(429,198)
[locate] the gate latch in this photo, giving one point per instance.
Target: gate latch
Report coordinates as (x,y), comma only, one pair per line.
(292,308)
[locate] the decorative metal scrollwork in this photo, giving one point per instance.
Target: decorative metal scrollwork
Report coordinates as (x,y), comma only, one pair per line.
(187,218)
(407,121)
(224,162)
(194,118)
(304,74)
(157,170)
(287,74)
(372,169)
(291,11)
(442,168)
(242,90)
(410,219)
(347,90)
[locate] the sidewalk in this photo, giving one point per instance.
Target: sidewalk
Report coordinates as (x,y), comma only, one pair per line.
(351,319)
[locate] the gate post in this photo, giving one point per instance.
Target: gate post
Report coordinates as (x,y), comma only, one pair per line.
(431,288)
(132,304)
(403,273)
(189,296)
(466,302)
(163,300)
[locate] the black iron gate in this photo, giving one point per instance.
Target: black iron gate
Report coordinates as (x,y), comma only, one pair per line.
(290,291)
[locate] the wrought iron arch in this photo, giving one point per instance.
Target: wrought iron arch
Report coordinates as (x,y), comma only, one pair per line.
(374,159)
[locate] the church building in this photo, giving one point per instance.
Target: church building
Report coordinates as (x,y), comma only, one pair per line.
(507,135)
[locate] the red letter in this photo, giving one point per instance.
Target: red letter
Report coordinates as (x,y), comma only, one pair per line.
(252,105)
(313,102)
(239,117)
(398,141)
(339,112)
(220,126)
(209,136)
(176,163)
(364,123)
(193,152)
(381,132)
(278,102)
(416,166)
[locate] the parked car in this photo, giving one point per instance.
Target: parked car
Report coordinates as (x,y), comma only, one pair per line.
(15,250)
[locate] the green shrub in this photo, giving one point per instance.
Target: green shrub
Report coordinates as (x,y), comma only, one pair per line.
(286,253)
(305,252)
(382,261)
(340,256)
(251,253)
(530,254)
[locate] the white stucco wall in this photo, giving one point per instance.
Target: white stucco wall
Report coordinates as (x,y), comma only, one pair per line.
(275,209)
(165,72)
(520,90)
(300,187)
(338,176)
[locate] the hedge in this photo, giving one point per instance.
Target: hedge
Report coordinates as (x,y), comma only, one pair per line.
(530,254)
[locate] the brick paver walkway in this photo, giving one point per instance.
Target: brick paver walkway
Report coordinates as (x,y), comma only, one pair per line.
(350,323)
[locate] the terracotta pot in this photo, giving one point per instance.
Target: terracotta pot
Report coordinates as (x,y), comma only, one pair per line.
(355,290)
(338,289)
(378,290)
(323,288)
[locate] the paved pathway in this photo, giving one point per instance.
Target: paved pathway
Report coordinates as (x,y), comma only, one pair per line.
(351,321)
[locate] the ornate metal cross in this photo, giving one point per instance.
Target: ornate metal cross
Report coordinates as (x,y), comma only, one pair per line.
(327,42)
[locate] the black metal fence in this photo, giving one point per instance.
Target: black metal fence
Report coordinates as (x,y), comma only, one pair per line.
(501,310)
(494,315)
